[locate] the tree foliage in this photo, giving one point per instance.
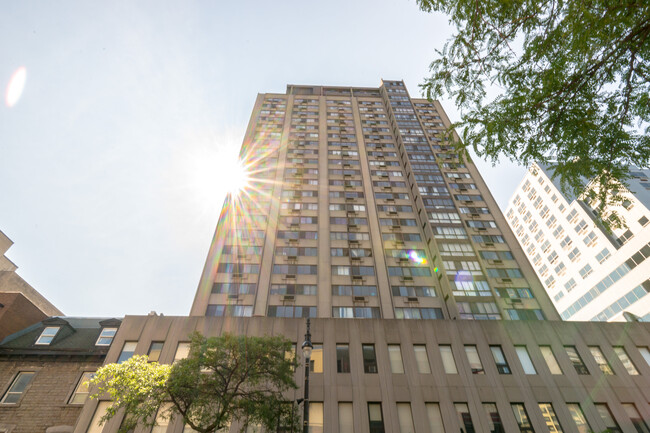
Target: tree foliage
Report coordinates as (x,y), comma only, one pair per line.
(224,380)
(574,80)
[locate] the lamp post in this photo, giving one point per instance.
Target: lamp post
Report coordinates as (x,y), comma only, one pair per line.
(306,353)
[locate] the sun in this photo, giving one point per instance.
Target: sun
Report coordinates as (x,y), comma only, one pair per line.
(237,177)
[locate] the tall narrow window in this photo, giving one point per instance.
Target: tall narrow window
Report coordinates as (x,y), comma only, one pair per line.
(550,418)
(100,411)
(448,361)
(494,420)
(290,355)
(17,388)
(162,418)
(127,351)
(524,359)
(601,360)
(154,351)
(578,418)
(576,360)
(522,418)
(346,419)
(608,419)
(81,390)
(645,353)
(627,362)
(342,358)
(47,335)
(316,360)
(369,359)
(315,417)
(422,359)
(182,351)
(635,417)
(474,360)
(551,362)
(500,360)
(375,418)
(464,417)
(395,357)
(405,418)
(435,418)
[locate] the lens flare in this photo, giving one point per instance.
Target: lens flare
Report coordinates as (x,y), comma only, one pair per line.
(415,257)
(15,86)
(238,179)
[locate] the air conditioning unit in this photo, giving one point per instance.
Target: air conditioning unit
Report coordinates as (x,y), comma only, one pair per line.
(288,298)
(407,278)
(359,299)
(412,299)
(233,296)
(392,212)
(290,277)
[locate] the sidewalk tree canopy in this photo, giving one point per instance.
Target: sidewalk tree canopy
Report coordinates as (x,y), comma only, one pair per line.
(573,79)
(223,380)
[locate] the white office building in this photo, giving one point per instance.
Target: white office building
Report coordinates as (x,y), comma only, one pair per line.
(589,273)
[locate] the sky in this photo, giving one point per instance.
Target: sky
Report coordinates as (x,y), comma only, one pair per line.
(111,160)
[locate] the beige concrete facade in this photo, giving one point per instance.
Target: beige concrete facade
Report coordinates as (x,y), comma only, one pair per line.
(420,392)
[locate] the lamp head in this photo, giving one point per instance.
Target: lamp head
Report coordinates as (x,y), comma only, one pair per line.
(307,348)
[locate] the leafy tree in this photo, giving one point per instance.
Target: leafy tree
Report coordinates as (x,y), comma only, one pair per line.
(574,80)
(224,379)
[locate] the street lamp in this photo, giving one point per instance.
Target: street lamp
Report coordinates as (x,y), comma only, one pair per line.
(306,353)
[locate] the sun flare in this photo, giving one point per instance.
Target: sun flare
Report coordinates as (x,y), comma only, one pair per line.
(237,177)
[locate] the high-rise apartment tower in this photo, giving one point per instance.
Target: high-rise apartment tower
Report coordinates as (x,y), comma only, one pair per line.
(357,208)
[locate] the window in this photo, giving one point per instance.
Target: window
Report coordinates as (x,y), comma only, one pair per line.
(375,418)
(645,353)
(154,351)
(316,360)
(524,359)
(608,419)
(464,417)
(500,360)
(182,351)
(551,362)
(590,239)
(81,390)
(435,418)
(315,417)
(550,418)
(18,387)
(162,418)
(448,361)
(637,421)
(100,411)
(106,337)
(576,360)
(127,351)
(494,420)
(405,418)
(579,418)
(603,255)
(586,271)
(627,362)
(522,418)
(290,355)
(601,360)
(346,418)
(474,360)
(370,359)
(342,358)
(570,285)
(47,335)
(422,359)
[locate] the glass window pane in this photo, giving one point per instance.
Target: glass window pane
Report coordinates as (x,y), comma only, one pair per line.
(576,360)
(551,362)
(550,418)
(18,387)
(375,418)
(494,420)
(162,419)
(127,351)
(579,418)
(154,351)
(316,360)
(607,417)
(645,353)
(464,417)
(600,360)
(342,358)
(395,357)
(448,361)
(81,391)
(524,359)
(182,351)
(47,335)
(500,360)
(94,427)
(521,416)
(315,417)
(635,417)
(405,418)
(474,360)
(422,359)
(346,420)
(627,362)
(369,358)
(435,418)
